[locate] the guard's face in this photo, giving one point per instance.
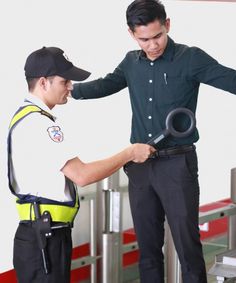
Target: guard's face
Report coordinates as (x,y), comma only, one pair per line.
(152,38)
(58,90)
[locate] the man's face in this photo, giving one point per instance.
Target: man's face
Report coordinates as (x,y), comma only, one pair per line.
(58,90)
(152,38)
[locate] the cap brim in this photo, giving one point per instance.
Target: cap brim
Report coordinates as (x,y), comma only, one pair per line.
(75,74)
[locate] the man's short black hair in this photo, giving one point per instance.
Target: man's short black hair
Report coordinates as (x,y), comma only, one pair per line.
(143,12)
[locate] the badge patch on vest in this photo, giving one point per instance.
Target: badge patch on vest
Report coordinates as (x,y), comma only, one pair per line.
(55,134)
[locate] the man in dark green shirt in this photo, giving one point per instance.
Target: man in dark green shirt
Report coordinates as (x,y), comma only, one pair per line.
(162,76)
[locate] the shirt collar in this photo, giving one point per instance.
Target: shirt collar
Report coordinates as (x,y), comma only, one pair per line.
(168,52)
(38,102)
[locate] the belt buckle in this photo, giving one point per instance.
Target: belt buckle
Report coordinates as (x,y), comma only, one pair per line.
(154,155)
(60,226)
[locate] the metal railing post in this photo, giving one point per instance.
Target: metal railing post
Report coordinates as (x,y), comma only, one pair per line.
(91,259)
(232,218)
(93,240)
(111,236)
(173,268)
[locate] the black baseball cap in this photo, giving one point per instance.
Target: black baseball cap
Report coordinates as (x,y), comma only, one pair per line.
(51,61)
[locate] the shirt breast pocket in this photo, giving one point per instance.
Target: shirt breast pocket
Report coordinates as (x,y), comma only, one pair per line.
(175,89)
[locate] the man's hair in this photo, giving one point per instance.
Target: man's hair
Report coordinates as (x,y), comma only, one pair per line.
(143,12)
(31,82)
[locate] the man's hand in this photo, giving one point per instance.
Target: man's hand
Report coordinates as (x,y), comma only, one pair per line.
(141,152)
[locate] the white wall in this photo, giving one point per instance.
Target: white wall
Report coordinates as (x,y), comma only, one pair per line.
(96,39)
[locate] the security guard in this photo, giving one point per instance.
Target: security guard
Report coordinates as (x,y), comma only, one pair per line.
(42,170)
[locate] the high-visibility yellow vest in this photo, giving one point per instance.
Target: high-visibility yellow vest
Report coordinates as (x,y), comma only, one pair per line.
(60,211)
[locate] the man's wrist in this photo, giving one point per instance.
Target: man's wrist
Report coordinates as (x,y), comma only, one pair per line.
(75,93)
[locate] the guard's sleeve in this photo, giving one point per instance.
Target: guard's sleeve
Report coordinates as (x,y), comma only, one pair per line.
(43,141)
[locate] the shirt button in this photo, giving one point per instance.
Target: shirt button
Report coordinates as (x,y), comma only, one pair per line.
(150,135)
(149,117)
(151,63)
(150,99)
(150,81)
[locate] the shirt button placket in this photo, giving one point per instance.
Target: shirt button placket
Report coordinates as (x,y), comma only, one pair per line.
(150,99)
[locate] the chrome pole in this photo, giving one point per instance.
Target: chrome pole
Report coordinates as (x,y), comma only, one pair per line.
(93,243)
(111,236)
(173,269)
(232,218)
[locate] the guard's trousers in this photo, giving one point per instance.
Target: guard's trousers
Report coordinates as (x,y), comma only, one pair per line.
(27,257)
(167,187)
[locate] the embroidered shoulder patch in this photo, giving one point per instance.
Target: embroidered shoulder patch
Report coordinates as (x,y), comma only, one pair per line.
(55,133)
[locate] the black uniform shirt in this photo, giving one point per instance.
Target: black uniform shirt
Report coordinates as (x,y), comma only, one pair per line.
(156,87)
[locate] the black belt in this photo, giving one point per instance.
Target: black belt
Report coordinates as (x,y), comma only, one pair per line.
(54,226)
(174,150)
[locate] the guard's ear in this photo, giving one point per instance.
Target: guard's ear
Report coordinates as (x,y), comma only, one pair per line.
(43,83)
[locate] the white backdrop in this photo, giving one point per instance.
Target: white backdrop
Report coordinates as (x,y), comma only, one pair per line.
(94,36)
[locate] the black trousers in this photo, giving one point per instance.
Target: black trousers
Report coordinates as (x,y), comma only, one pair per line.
(167,186)
(27,258)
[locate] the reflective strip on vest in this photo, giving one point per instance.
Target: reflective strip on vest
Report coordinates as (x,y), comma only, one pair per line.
(59,212)
(23,113)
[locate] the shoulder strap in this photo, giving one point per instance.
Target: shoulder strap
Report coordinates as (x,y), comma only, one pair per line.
(25,111)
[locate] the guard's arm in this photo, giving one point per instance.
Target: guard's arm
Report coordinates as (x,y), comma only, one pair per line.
(84,174)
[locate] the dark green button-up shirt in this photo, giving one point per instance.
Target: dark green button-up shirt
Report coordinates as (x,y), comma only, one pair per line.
(156,87)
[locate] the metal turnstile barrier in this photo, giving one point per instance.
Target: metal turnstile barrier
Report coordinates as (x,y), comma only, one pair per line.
(105,206)
(223,271)
(111,230)
(174,267)
(111,195)
(92,258)
(225,263)
(106,230)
